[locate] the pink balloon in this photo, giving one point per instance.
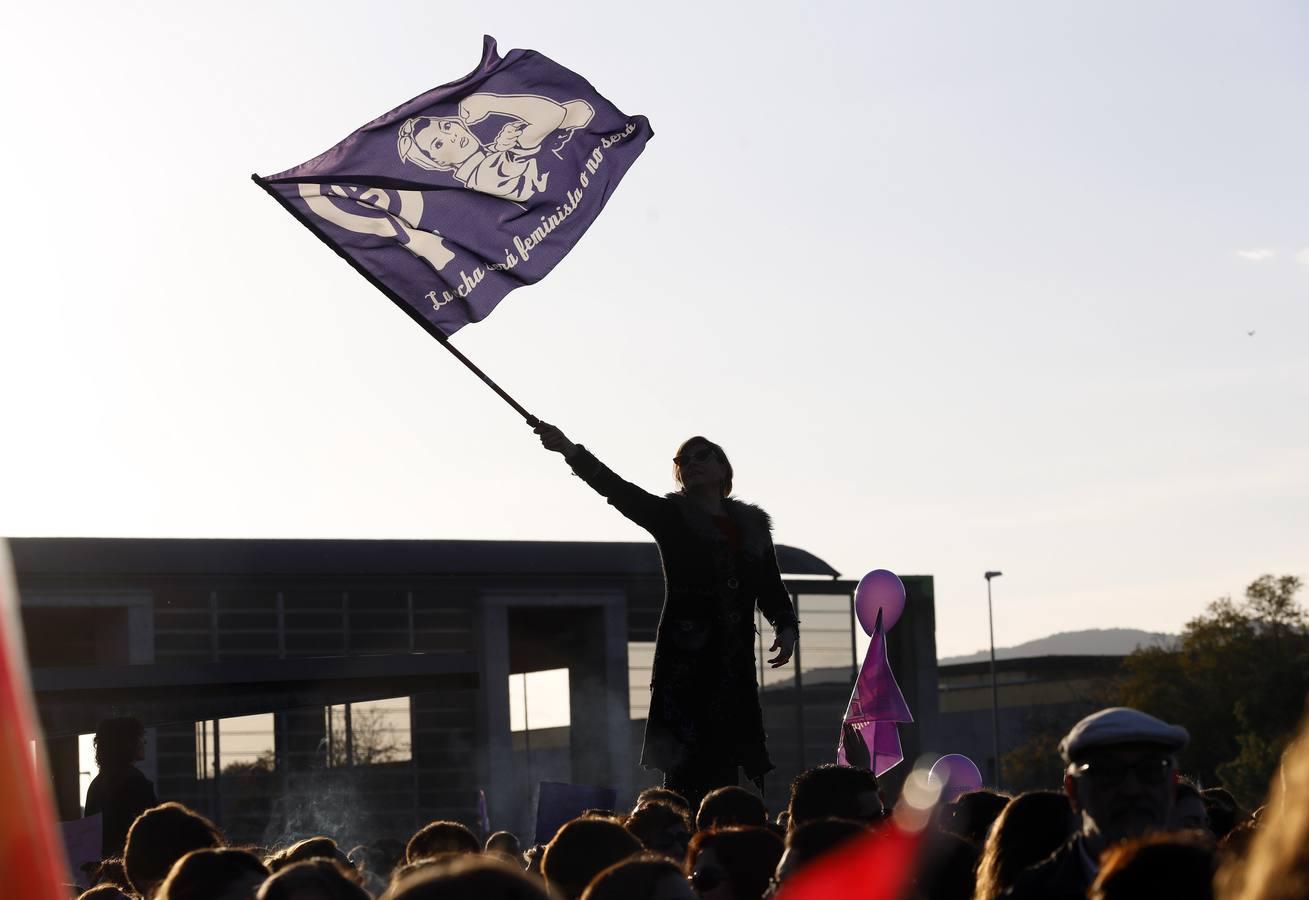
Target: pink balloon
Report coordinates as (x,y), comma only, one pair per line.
(957,775)
(879,590)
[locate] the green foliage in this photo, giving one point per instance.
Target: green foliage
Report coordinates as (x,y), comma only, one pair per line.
(1034,765)
(1237,682)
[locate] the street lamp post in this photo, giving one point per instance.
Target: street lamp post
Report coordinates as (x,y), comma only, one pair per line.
(995,690)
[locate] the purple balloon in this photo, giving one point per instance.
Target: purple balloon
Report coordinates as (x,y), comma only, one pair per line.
(957,775)
(879,590)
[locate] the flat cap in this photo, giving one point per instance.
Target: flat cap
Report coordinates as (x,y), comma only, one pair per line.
(1120,725)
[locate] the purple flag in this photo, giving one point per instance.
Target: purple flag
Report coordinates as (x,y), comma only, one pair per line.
(876,705)
(452,200)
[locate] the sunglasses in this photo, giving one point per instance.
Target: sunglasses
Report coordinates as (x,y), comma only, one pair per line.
(1149,771)
(700,455)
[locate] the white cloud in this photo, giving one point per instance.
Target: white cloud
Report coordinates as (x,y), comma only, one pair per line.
(1303,256)
(1256,255)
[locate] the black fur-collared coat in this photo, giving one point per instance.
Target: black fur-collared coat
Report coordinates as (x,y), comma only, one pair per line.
(704,694)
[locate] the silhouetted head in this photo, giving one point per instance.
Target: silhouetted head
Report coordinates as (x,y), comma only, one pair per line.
(948,867)
(1180,864)
(1189,809)
(701,463)
(161,836)
(119,742)
(808,841)
(1223,810)
(644,877)
(581,849)
(110,871)
(970,816)
(506,844)
(105,892)
(662,795)
(319,847)
(1121,768)
(220,874)
(313,879)
(441,836)
(1030,828)
(742,858)
(731,805)
(466,877)
(661,828)
(832,791)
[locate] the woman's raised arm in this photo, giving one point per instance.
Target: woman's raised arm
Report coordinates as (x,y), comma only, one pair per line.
(539,115)
(637,504)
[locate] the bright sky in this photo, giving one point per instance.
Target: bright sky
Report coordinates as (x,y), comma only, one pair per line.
(958,286)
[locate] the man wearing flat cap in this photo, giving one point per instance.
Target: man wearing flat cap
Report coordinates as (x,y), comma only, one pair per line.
(1120,775)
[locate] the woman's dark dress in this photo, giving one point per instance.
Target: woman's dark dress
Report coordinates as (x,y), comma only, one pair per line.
(704,694)
(120,796)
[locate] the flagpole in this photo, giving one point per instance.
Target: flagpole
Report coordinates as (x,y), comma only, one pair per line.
(531,419)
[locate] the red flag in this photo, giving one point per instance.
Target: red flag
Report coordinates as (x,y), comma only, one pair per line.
(879,866)
(31,855)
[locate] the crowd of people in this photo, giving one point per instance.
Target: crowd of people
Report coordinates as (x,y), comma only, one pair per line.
(1125,824)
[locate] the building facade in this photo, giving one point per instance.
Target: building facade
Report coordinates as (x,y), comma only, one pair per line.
(363,688)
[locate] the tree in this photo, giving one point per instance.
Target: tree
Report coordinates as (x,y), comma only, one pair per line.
(1237,682)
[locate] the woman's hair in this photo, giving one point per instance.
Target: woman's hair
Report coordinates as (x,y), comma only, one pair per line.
(662,795)
(637,878)
(110,871)
(748,854)
(581,849)
(105,892)
(505,842)
(655,822)
(718,451)
(1170,864)
(971,815)
(730,805)
(319,847)
(208,874)
(1276,866)
(465,877)
(161,836)
(116,742)
(1224,812)
(327,877)
(441,836)
(1028,830)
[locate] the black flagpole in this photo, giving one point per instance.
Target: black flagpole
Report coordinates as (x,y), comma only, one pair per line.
(409,310)
(531,419)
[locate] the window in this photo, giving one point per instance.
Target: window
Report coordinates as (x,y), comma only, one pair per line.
(640,667)
(239,742)
(826,639)
(367,733)
(539,700)
(86,767)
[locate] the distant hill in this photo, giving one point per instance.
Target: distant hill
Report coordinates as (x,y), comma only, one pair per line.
(1095,642)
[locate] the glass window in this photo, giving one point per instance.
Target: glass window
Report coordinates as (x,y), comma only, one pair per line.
(243,742)
(539,700)
(246,741)
(640,667)
(826,639)
(86,767)
(381,731)
(369,732)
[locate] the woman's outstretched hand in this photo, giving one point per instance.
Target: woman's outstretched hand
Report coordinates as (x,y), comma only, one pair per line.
(553,439)
(785,643)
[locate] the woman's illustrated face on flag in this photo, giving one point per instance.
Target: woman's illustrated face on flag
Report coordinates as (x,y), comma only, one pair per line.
(441,143)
